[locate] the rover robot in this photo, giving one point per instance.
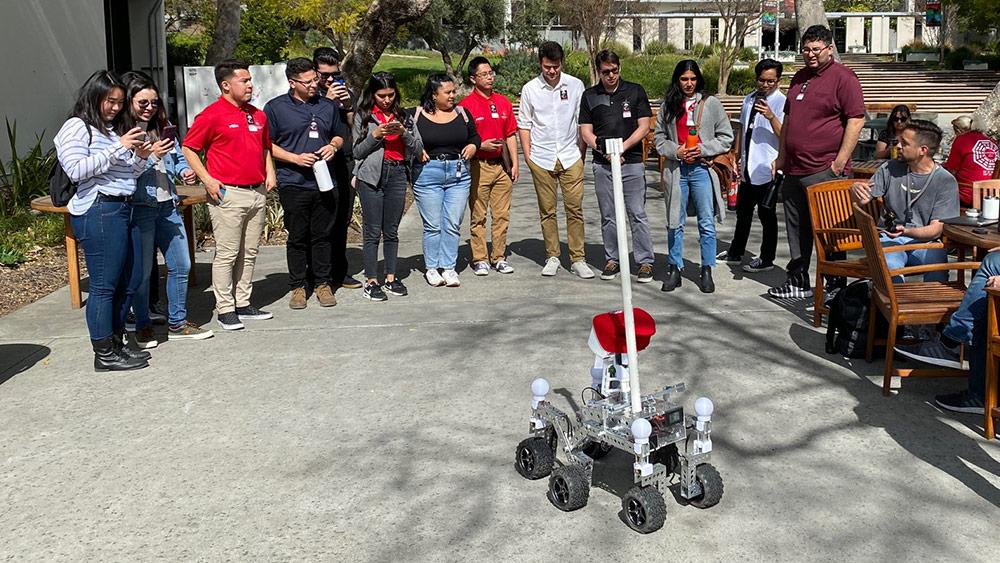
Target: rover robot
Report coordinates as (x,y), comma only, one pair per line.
(669,445)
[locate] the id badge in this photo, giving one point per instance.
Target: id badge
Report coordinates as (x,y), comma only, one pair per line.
(626,114)
(626,110)
(563,95)
(800,97)
(493,111)
(313,130)
(458,169)
(252,128)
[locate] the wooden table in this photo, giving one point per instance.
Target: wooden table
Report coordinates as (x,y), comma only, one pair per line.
(962,234)
(189,197)
(862,169)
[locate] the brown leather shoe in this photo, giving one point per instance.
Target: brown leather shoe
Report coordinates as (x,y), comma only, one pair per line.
(298,298)
(325,295)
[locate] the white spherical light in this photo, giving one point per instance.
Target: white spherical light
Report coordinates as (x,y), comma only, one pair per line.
(641,429)
(539,387)
(704,406)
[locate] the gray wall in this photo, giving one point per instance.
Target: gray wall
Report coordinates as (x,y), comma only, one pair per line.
(47,49)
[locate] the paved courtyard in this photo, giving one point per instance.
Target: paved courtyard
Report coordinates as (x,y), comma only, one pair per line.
(386,431)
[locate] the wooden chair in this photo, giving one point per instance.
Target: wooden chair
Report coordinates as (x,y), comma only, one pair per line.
(992,356)
(984,188)
(835,230)
(996,171)
(910,303)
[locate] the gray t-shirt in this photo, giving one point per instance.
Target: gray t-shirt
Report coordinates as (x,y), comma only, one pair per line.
(931,196)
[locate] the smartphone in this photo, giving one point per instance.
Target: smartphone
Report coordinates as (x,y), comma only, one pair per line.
(338,79)
(169,132)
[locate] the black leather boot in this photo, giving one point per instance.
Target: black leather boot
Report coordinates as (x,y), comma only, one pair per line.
(673,279)
(108,358)
(123,348)
(707,283)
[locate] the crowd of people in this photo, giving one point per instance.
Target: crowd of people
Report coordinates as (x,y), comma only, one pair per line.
(320,145)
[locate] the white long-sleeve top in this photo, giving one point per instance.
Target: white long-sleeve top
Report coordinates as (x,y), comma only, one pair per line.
(551,114)
(98,164)
(763,141)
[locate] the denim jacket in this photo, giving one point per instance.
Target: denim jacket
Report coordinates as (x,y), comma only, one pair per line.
(146,184)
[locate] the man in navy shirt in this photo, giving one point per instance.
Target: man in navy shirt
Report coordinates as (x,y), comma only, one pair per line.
(306,128)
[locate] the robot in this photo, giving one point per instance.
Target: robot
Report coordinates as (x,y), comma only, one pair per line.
(666,443)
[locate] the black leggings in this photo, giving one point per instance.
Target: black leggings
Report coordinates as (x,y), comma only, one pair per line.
(381,210)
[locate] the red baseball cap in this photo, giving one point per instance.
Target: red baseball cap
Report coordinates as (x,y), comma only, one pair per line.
(610,330)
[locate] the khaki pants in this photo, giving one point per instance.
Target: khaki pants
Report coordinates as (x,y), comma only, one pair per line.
(237,223)
(570,180)
(491,190)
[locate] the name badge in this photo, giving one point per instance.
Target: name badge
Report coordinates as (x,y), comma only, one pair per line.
(626,110)
(252,128)
(493,111)
(563,95)
(800,97)
(313,130)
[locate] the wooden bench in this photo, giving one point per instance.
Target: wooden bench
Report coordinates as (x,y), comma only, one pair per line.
(190,196)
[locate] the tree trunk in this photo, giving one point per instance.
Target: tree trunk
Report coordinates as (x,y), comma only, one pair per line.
(725,67)
(470,44)
(989,113)
(227,31)
(373,34)
(449,68)
(809,13)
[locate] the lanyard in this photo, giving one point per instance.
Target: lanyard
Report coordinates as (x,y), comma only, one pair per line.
(911,200)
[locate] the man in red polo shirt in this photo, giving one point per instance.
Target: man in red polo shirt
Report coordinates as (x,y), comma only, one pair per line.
(237,174)
(824,114)
(492,178)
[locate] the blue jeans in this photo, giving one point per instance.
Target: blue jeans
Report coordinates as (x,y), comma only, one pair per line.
(697,185)
(106,232)
(920,257)
(162,229)
(968,323)
(441,197)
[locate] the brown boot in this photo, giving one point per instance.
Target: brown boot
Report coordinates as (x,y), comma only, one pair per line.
(325,295)
(298,298)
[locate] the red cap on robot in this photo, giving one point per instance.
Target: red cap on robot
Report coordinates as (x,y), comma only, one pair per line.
(610,330)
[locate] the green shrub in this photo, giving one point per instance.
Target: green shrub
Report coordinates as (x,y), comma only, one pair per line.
(514,70)
(954,59)
(742,82)
(616,46)
(700,51)
(21,232)
(577,63)
(24,178)
(186,49)
(747,55)
(655,48)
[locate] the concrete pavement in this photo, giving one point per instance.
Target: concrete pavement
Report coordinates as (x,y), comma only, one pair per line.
(386,431)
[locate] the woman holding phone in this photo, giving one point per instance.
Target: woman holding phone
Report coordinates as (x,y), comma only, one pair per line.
(384,149)
(155,213)
(103,163)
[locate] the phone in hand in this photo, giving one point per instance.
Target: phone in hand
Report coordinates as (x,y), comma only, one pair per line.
(169,132)
(338,79)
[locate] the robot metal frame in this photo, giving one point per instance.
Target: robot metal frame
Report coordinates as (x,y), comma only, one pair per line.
(654,428)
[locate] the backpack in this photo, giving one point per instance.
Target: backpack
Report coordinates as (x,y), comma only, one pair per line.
(847,327)
(61,188)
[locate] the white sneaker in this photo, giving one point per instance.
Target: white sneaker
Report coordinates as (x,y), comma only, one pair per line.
(481,269)
(504,267)
(451,278)
(551,266)
(581,269)
(434,278)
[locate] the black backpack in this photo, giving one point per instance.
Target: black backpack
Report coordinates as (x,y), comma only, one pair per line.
(847,327)
(61,188)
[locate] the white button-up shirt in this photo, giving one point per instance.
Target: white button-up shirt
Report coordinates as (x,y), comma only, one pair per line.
(763,141)
(550,114)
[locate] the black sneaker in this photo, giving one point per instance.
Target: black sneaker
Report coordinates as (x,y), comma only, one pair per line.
(645,274)
(230,321)
(351,283)
(395,287)
(252,313)
(933,352)
(611,270)
(374,292)
(729,258)
(790,291)
(964,402)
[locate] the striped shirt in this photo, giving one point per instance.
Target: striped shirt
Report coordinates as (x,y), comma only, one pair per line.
(102,166)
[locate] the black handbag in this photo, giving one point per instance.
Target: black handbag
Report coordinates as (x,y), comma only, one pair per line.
(771,195)
(61,188)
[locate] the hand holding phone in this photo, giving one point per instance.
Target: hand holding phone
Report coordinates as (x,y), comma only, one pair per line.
(169,132)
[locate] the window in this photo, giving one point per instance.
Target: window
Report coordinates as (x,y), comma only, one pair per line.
(688,33)
(713,34)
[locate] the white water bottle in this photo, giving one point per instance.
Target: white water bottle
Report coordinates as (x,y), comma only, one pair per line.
(322,172)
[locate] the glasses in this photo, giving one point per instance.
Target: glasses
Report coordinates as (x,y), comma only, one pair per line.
(766,81)
(900,119)
(143,104)
(610,71)
(814,51)
(306,82)
(486,74)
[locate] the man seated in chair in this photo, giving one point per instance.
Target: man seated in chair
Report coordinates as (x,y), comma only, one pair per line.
(966,326)
(917,194)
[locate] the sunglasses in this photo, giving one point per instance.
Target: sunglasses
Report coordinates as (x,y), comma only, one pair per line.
(610,71)
(143,104)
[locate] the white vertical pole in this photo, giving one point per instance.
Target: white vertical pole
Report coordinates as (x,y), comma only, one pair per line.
(614,149)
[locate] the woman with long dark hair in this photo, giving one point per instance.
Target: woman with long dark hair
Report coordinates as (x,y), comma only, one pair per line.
(887,138)
(155,212)
(690,129)
(104,164)
(385,146)
(441,184)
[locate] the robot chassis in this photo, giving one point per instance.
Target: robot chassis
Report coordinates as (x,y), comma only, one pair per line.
(653,428)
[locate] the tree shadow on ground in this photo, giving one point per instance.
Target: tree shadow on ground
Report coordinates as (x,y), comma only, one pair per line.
(16,358)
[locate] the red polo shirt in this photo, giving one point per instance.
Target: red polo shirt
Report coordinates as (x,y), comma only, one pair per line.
(817,108)
(483,109)
(234,140)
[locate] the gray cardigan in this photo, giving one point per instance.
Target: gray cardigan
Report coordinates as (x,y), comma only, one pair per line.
(716,138)
(369,151)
